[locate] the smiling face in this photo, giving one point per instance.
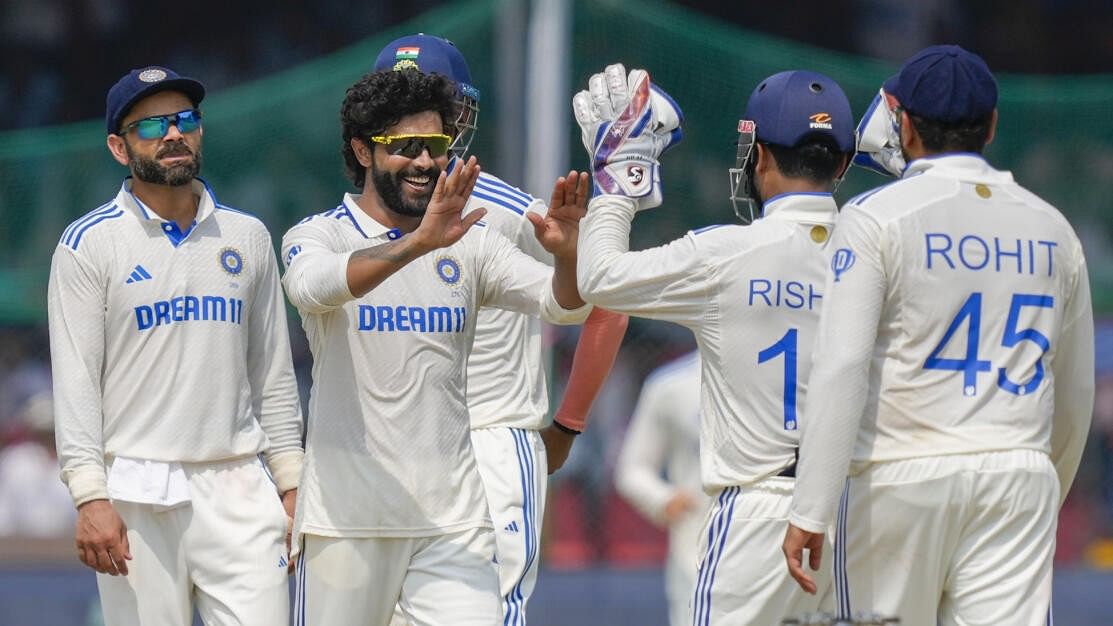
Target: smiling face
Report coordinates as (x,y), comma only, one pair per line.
(174,159)
(405,185)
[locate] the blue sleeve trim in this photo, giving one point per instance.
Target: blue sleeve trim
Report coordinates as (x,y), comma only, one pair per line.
(497,200)
(234,210)
(80,233)
(107,207)
(700,231)
(495,183)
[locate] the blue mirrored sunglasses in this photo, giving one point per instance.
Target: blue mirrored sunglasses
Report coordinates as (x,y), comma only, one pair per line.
(156,126)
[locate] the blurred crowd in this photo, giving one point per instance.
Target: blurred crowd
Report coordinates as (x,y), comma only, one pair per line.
(49,75)
(589,523)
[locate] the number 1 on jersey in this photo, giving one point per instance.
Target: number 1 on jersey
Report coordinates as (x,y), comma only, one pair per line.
(787,346)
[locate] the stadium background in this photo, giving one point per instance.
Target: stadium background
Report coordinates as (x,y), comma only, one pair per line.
(271,147)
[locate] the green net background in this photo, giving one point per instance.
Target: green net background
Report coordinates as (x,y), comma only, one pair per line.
(271,146)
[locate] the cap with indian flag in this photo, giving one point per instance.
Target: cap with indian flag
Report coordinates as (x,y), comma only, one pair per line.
(429,54)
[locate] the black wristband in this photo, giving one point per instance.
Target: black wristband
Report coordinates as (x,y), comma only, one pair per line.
(564,429)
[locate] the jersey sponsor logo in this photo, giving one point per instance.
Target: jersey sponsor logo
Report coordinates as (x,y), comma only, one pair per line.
(841,262)
(991,254)
(231,260)
(792,294)
(188,309)
(412,319)
(820,120)
(138,274)
(448,269)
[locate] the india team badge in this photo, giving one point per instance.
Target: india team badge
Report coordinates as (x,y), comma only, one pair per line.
(448,269)
(231,260)
(406,58)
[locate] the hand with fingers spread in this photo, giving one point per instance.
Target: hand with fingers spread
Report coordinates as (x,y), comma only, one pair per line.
(102,538)
(443,224)
(796,541)
(558,230)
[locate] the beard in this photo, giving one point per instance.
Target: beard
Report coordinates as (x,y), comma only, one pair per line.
(151,171)
(389,188)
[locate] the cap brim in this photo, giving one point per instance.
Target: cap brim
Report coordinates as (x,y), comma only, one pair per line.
(192,89)
(891,84)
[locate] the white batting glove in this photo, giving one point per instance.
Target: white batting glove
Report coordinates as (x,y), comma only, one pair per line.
(878,134)
(627,123)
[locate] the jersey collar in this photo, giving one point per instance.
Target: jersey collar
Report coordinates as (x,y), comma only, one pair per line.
(365,224)
(803,206)
(206,204)
(961,165)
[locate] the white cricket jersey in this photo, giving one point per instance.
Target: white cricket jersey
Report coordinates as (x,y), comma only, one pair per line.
(958,320)
(388,450)
(664,434)
(751,294)
(168,345)
(506,375)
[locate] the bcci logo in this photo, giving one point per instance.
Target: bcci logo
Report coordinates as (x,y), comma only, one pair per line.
(842,261)
(152,75)
(448,270)
(231,260)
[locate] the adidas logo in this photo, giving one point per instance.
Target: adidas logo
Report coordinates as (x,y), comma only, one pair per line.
(138,274)
(282,562)
(512,527)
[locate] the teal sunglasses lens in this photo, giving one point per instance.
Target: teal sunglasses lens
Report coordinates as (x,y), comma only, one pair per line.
(157,127)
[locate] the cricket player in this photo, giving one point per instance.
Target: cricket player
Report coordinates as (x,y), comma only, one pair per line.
(954,373)
(389,283)
(664,435)
(506,392)
(172,376)
(751,294)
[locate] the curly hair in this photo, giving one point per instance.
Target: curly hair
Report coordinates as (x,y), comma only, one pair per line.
(381,99)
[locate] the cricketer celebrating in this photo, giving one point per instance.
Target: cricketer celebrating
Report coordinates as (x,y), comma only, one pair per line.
(954,372)
(172,374)
(751,294)
(392,509)
(506,392)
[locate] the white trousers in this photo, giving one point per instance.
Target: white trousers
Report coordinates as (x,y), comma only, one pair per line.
(514,469)
(443,580)
(225,550)
(966,539)
(742,576)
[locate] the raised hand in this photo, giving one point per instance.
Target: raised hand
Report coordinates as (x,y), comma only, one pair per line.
(557,231)
(443,224)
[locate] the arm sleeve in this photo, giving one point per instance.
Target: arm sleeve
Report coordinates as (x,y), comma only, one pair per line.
(270,369)
(637,474)
(670,282)
(76,308)
(596,349)
(1073,369)
(839,380)
(512,280)
(316,277)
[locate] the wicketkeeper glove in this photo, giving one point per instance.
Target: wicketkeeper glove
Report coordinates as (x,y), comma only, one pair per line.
(879,139)
(627,123)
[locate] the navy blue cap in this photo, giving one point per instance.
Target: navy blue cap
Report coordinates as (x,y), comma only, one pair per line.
(142,82)
(792,106)
(945,83)
(429,55)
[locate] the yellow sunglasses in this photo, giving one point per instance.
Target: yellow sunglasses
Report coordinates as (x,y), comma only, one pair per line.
(411,146)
